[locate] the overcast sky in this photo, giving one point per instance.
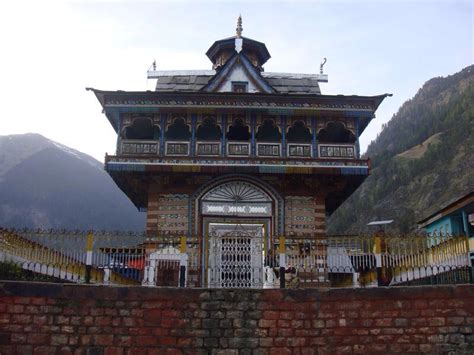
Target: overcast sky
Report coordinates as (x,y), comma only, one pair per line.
(51,51)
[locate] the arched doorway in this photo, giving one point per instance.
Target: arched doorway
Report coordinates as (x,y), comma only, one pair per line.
(237,222)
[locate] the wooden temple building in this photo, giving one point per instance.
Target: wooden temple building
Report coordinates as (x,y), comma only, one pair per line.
(236,157)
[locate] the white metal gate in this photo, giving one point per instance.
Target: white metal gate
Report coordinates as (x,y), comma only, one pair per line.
(235,258)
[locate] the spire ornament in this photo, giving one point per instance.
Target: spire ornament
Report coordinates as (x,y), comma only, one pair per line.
(239,28)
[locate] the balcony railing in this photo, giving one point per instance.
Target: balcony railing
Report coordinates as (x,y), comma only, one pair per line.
(268,149)
(337,150)
(235,149)
(299,150)
(238,149)
(178,148)
(139,147)
(212,149)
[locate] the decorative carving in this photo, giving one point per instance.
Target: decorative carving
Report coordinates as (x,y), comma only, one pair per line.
(237,191)
(348,123)
(177,148)
(268,150)
(337,151)
(210,149)
(263,102)
(139,147)
(238,149)
(299,150)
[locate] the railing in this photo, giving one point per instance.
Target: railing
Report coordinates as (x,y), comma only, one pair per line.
(237,149)
(337,150)
(177,148)
(208,148)
(172,260)
(268,149)
(299,150)
(139,147)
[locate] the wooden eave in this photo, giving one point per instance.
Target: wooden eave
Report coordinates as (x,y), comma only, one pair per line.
(151,101)
(448,209)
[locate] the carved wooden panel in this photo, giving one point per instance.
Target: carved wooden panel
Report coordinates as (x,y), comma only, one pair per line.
(299,150)
(177,148)
(238,149)
(130,147)
(268,150)
(208,148)
(336,151)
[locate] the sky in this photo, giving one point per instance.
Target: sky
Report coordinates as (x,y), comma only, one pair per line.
(52,50)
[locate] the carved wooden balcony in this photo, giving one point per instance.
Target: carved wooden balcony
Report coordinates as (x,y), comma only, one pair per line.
(337,150)
(238,152)
(139,147)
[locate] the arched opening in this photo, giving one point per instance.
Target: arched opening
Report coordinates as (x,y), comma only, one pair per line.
(209,130)
(236,216)
(238,131)
(179,130)
(299,133)
(336,132)
(142,128)
(268,132)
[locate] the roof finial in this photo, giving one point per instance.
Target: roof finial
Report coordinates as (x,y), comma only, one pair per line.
(239,28)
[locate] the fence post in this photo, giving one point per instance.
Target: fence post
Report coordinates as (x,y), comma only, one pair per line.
(182,263)
(470,256)
(282,251)
(89,244)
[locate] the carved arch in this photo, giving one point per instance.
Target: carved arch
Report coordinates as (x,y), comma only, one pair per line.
(299,133)
(336,132)
(178,130)
(279,211)
(141,128)
(268,132)
(209,130)
(239,130)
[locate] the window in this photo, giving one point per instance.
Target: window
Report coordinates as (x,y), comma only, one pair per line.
(239,86)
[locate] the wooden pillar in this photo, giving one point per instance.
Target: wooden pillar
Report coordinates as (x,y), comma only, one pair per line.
(193,134)
(315,138)
(283,121)
(224,132)
(163,120)
(253,150)
(357,154)
(118,149)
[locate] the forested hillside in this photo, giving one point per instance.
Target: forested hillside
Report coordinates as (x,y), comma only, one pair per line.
(422,159)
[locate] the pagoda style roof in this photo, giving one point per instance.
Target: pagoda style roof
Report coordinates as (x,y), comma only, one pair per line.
(362,107)
(248,45)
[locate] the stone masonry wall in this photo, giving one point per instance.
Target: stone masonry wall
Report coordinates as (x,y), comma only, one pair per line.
(45,318)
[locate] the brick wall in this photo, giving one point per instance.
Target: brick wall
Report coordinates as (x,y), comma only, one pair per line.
(81,319)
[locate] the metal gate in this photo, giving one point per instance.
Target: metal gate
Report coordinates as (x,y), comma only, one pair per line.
(235,259)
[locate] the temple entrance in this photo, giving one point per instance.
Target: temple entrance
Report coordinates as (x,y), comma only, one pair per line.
(235,255)
(237,221)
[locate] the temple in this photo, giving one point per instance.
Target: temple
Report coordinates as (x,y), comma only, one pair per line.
(236,157)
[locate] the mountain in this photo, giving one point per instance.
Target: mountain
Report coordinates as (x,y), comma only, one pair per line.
(421,160)
(44,184)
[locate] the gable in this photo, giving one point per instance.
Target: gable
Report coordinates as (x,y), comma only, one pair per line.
(238,69)
(238,75)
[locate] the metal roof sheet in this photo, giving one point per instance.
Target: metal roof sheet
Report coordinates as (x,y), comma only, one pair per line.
(197,82)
